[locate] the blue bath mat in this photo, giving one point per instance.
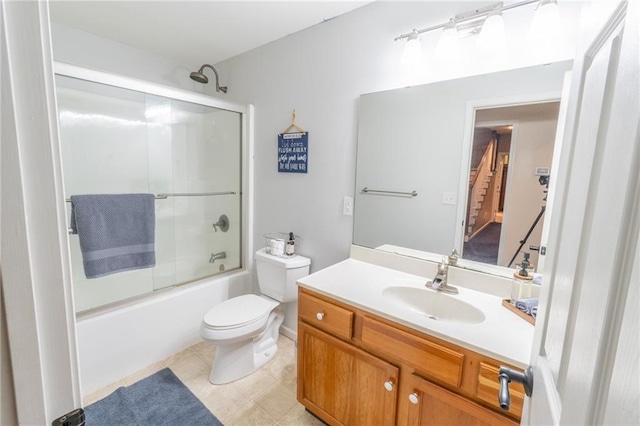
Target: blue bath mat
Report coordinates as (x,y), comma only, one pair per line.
(159,400)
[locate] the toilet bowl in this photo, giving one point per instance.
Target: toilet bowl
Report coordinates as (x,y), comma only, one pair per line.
(245,328)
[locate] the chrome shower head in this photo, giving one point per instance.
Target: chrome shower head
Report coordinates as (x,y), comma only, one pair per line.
(201,78)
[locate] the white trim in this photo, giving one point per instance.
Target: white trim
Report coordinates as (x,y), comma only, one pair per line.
(507,190)
(247,186)
(467,143)
(287,332)
(35,262)
(144,86)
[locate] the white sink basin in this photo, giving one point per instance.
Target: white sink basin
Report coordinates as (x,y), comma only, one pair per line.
(434,305)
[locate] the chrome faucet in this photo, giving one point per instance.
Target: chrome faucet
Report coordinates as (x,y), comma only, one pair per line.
(439,282)
(214,256)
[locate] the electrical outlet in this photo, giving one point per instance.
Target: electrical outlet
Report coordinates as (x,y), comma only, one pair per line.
(347,206)
(449,198)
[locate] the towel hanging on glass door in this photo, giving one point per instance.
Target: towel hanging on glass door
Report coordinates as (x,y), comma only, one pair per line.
(293,149)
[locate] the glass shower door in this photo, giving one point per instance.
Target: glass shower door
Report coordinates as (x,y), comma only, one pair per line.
(117,140)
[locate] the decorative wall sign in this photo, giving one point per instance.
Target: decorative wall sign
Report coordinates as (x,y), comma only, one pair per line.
(293,152)
(293,149)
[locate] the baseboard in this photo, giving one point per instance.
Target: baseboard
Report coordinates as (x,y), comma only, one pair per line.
(472,236)
(287,332)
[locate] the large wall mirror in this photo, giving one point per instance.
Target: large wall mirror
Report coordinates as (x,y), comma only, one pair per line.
(458,164)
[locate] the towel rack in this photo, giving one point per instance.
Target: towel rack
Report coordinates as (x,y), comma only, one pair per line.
(412,193)
(184,194)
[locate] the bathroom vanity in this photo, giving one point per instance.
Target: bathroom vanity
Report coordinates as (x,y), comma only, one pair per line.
(376,347)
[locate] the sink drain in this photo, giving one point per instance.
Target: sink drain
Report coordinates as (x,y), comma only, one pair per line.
(432,317)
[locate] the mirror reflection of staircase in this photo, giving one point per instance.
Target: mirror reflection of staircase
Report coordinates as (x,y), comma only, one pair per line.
(484,213)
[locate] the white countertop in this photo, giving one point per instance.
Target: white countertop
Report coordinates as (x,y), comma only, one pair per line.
(502,335)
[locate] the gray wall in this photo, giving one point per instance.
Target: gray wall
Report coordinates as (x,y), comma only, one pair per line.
(321,72)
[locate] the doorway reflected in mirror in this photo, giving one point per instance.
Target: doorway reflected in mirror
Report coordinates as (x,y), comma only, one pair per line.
(512,145)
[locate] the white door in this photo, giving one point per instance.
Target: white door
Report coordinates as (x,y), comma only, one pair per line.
(35,273)
(585,351)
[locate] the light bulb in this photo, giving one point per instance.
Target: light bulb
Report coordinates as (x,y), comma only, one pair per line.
(546,25)
(412,53)
(448,46)
(492,34)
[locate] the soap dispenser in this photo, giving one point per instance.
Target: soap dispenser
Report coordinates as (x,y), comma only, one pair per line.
(291,245)
(521,284)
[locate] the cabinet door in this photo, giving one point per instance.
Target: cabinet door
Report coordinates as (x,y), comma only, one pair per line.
(430,404)
(342,384)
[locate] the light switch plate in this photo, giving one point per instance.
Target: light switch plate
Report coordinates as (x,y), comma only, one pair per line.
(347,206)
(449,198)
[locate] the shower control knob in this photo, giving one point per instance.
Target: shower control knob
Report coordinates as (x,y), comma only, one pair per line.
(388,385)
(414,398)
(320,316)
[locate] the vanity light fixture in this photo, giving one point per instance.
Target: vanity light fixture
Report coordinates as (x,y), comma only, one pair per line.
(546,25)
(448,45)
(492,34)
(489,19)
(412,53)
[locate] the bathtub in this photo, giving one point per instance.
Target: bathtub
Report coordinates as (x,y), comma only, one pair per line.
(117,343)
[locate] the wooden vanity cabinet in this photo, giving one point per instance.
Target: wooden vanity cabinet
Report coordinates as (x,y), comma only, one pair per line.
(342,384)
(355,368)
(430,404)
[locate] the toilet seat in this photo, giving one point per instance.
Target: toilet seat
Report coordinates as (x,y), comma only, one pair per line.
(238,316)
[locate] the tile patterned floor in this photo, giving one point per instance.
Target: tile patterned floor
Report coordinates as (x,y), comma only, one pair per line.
(267,397)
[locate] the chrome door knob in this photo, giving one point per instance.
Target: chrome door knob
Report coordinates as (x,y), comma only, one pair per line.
(388,385)
(414,398)
(320,316)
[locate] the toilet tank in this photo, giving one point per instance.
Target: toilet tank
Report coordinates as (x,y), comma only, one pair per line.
(277,275)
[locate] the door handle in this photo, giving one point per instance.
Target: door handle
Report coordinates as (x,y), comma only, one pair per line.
(508,375)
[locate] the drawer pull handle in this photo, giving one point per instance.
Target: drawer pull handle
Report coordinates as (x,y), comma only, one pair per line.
(388,385)
(320,316)
(414,398)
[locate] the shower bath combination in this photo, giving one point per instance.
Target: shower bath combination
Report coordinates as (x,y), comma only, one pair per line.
(201,78)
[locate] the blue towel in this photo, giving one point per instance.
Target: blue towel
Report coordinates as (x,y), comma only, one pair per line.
(534,312)
(116,232)
(537,279)
(525,305)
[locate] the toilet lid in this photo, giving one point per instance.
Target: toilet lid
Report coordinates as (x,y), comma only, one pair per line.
(238,311)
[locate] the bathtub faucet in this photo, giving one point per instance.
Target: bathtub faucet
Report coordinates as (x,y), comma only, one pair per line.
(214,256)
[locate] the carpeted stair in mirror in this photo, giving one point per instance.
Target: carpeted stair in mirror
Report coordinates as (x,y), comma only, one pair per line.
(159,400)
(484,246)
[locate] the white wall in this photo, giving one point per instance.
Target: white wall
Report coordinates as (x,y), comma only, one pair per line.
(321,72)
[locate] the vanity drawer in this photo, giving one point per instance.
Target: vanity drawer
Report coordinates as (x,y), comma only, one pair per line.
(325,315)
(488,389)
(429,358)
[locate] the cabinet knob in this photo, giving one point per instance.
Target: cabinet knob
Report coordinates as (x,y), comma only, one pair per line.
(320,316)
(388,385)
(414,398)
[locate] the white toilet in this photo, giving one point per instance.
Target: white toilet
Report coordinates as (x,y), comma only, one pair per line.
(245,328)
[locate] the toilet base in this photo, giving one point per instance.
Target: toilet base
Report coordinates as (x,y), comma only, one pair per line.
(236,360)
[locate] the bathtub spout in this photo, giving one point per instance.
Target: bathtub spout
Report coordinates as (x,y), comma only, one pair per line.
(214,256)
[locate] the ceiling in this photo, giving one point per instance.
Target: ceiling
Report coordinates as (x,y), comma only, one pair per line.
(196,32)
